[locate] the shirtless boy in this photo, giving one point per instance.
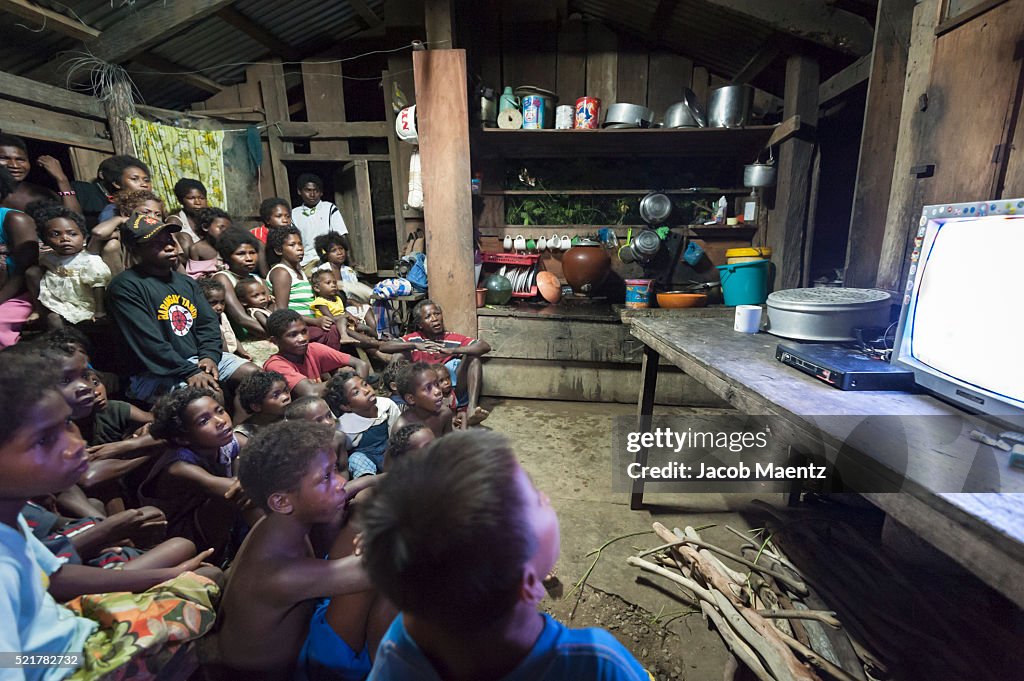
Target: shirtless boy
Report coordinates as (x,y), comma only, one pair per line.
(269,612)
(417,384)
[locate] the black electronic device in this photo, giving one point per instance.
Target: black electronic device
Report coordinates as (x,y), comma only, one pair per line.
(844,367)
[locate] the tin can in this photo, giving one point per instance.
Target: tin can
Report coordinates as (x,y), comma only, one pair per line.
(533,112)
(564,117)
(588,113)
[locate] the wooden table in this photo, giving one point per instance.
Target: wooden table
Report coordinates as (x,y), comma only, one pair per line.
(984,532)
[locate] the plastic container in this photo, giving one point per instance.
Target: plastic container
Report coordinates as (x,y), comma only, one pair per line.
(638,293)
(735,255)
(744,283)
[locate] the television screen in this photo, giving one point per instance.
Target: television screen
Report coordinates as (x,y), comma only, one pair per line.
(962,326)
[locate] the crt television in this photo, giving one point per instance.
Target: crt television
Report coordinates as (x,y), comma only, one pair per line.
(961,328)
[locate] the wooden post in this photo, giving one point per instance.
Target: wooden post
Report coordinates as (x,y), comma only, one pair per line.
(878,142)
(272,90)
(900,219)
(443,127)
(788,221)
(437,16)
(119,106)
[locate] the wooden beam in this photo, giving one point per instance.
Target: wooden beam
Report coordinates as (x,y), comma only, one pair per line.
(50,20)
(50,97)
(437,16)
(233,17)
(170,69)
(878,142)
(33,121)
(853,75)
(332,130)
(761,60)
(810,20)
(787,226)
(443,126)
(138,32)
(368,16)
(331,158)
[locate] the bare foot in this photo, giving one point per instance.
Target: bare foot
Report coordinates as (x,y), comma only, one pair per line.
(478,416)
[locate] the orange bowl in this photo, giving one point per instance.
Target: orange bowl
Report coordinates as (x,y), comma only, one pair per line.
(549,286)
(674,299)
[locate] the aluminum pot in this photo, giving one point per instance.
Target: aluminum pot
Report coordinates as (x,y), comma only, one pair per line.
(759,175)
(826,314)
(687,113)
(628,115)
(655,208)
(729,106)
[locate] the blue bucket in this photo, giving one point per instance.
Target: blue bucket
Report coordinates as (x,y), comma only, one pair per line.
(744,283)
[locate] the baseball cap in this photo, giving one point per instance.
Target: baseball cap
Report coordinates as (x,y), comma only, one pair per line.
(140,228)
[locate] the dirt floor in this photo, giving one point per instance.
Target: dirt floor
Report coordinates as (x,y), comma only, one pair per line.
(566,447)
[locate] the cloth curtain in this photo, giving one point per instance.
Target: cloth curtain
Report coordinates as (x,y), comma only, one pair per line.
(173,153)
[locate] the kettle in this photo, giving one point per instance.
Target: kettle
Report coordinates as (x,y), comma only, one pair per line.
(507,100)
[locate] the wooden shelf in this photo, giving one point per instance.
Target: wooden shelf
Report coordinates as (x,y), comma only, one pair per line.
(693,191)
(741,143)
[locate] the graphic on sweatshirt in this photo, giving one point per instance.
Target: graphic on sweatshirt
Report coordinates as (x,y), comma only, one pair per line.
(180,312)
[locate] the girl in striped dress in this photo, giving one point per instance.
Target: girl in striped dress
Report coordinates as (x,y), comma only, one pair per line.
(291,287)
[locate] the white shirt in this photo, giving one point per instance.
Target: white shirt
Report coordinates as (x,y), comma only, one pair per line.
(312,222)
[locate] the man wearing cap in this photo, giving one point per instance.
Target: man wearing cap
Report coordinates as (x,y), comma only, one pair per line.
(164,317)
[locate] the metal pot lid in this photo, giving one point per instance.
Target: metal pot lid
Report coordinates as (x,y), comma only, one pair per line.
(528,90)
(693,104)
(655,207)
(587,242)
(827,299)
(646,243)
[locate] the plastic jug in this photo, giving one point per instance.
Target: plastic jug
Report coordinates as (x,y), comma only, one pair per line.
(507,100)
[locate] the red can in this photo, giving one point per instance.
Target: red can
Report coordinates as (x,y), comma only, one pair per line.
(588,113)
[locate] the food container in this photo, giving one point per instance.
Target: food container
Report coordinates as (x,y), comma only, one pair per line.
(564,115)
(826,314)
(533,112)
(735,255)
(638,293)
(588,113)
(729,106)
(546,114)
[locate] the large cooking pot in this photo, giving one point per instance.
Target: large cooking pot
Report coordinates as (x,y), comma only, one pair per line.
(729,106)
(687,113)
(759,175)
(826,314)
(629,116)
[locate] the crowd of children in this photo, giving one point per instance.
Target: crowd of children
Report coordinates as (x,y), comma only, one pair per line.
(280,510)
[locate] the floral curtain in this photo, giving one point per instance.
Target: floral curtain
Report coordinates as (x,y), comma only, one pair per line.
(173,153)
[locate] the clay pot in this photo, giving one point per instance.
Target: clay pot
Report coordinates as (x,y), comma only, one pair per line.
(585,266)
(481,297)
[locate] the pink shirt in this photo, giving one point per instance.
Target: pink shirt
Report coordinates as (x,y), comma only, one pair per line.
(320,359)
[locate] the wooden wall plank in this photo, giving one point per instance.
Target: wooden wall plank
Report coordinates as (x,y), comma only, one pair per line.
(324,93)
(559,339)
(274,100)
(1013,183)
(602,64)
(47,96)
(669,74)
(878,142)
(85,162)
(529,48)
(572,61)
(443,128)
(631,72)
(31,121)
(900,219)
(788,221)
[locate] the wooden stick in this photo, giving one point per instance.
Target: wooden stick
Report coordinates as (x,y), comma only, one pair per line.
(825,617)
(796,585)
(817,660)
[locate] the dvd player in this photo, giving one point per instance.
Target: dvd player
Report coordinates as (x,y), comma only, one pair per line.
(843,367)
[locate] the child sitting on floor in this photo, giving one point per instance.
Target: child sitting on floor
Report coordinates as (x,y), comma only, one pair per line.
(406,440)
(388,380)
(315,410)
(203,258)
(194,482)
(69,282)
(468,573)
(332,249)
(305,365)
(276,214)
(41,453)
(417,384)
(270,615)
(365,419)
(265,397)
(214,293)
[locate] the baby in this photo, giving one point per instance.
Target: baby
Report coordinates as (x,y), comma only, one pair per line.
(255,298)
(69,283)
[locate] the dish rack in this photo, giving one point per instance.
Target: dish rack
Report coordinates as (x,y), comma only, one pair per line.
(519,262)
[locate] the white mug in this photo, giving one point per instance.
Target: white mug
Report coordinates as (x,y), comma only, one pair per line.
(565,244)
(520,242)
(507,242)
(748,318)
(542,244)
(554,241)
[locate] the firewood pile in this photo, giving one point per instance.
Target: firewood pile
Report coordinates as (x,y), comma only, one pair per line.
(774,619)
